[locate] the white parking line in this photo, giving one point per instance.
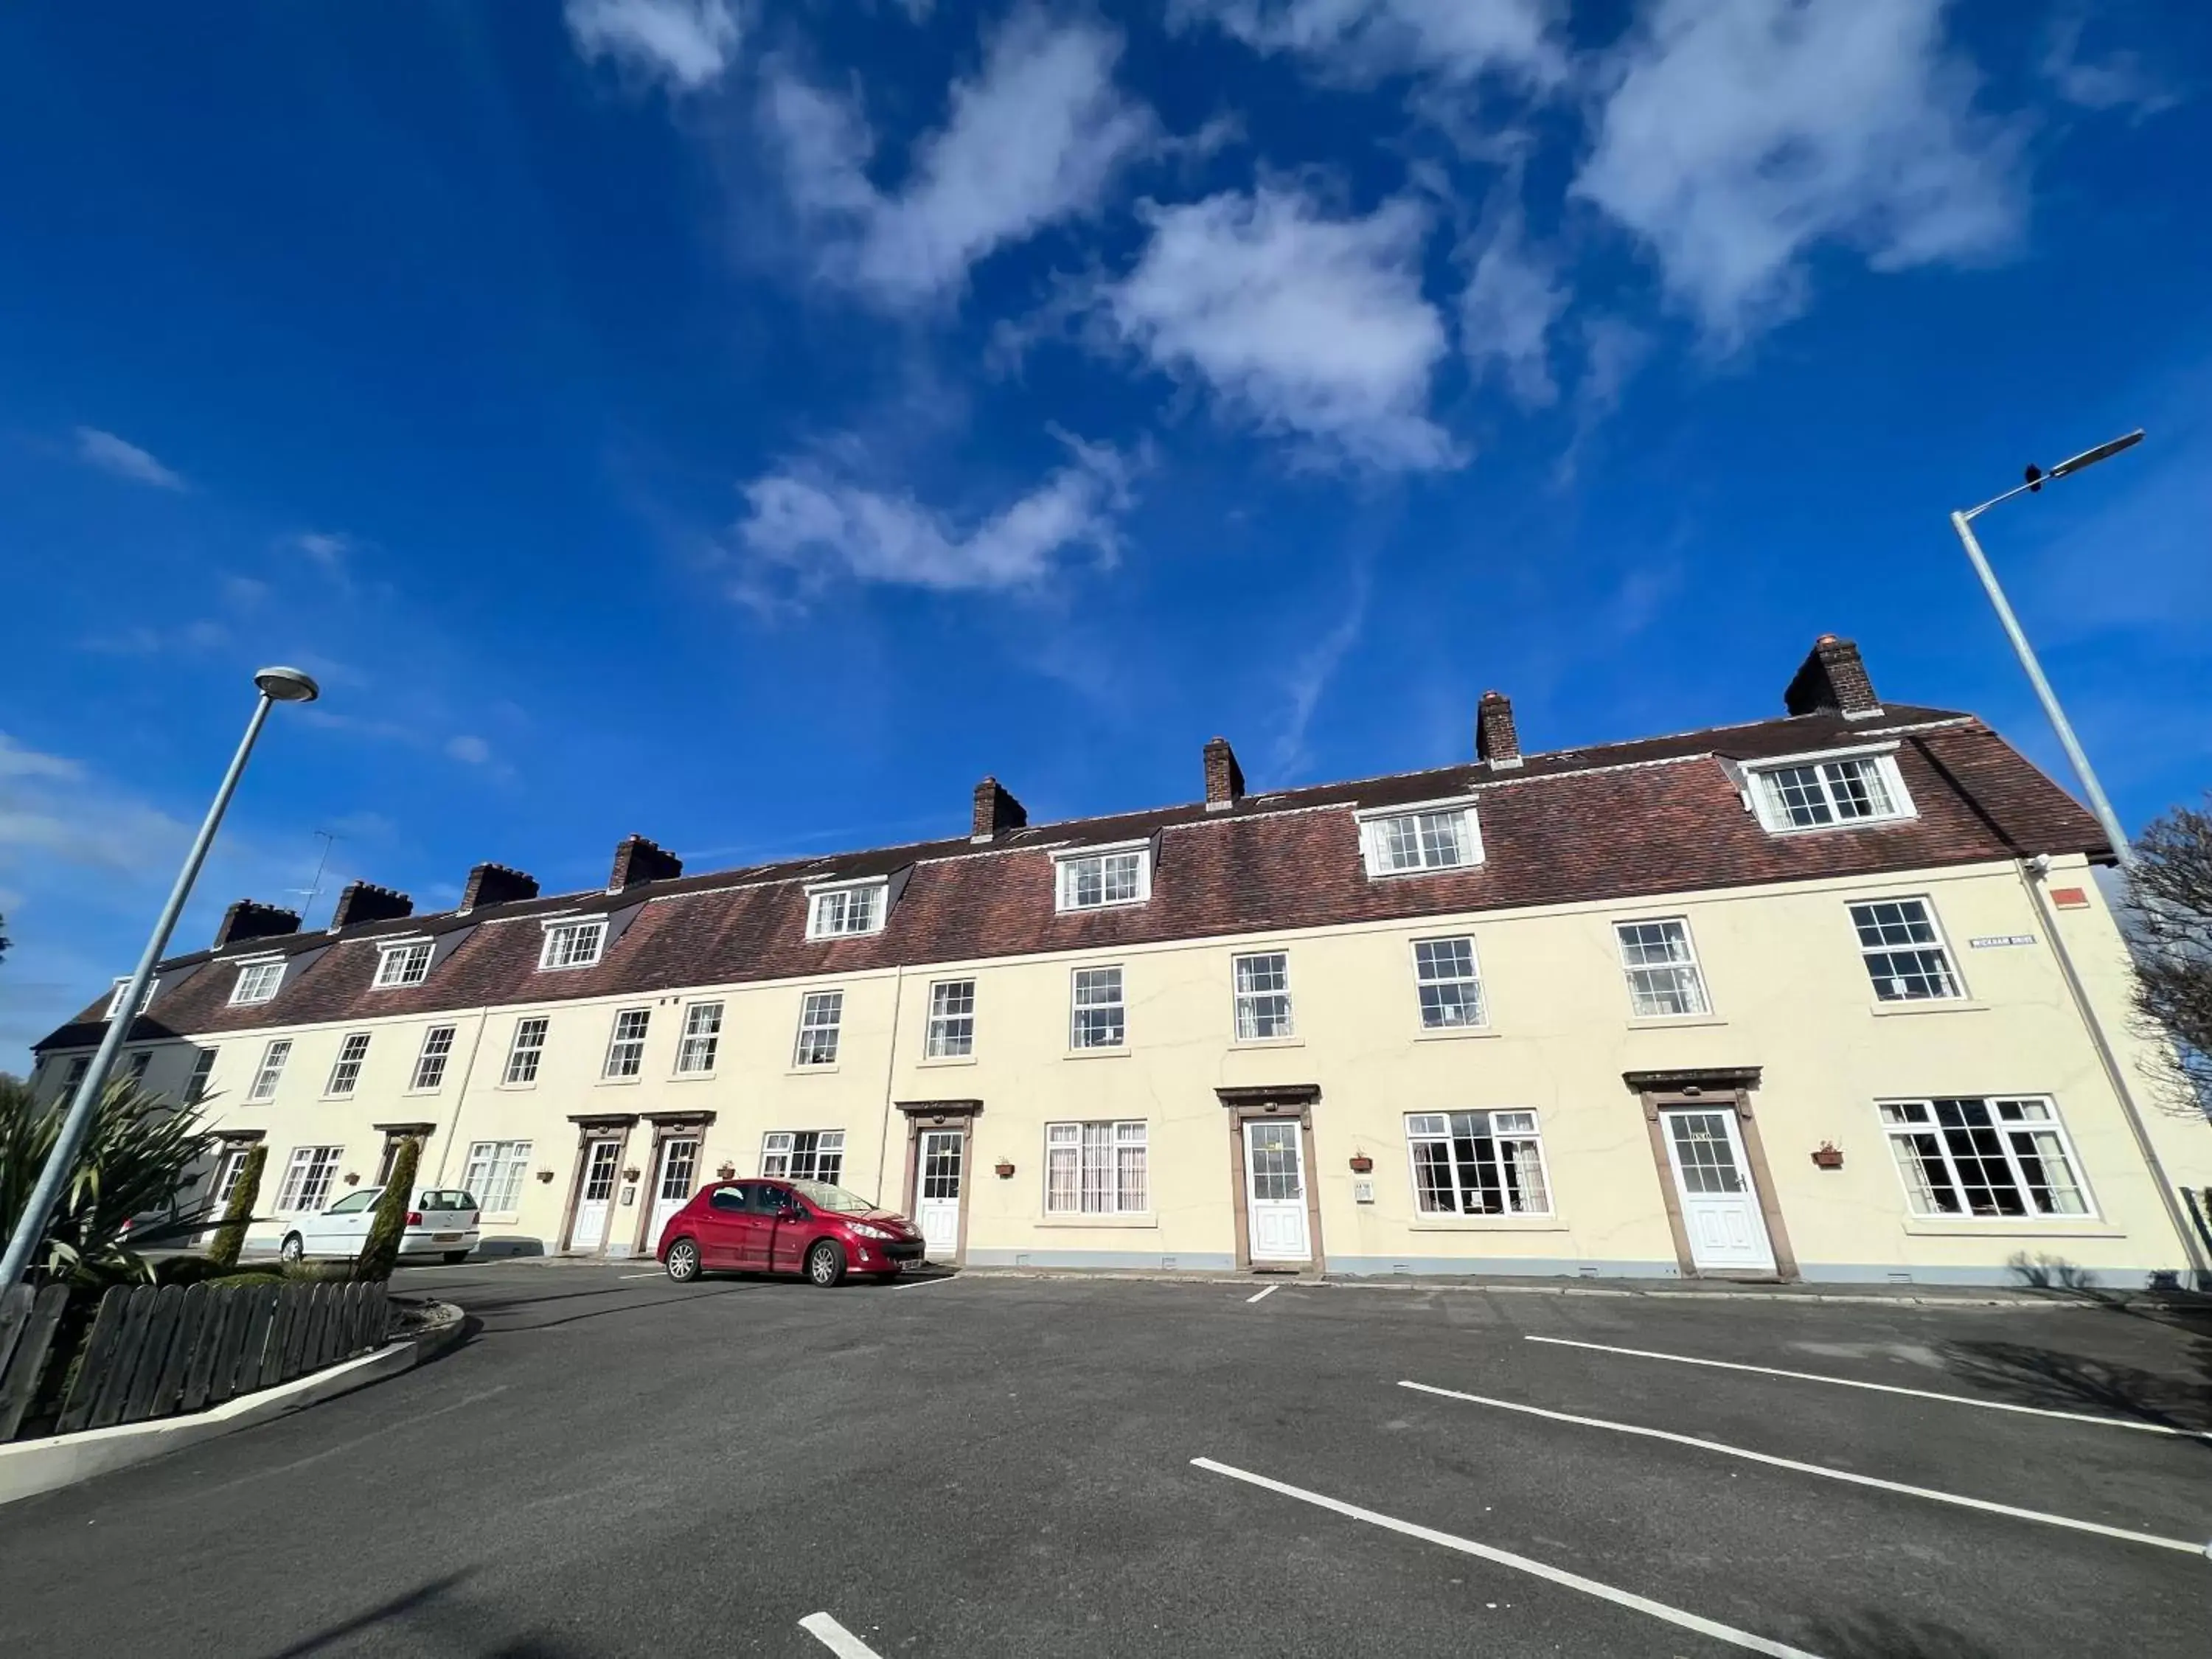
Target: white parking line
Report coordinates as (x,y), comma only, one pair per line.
(836,1638)
(1575,1581)
(651,1275)
(1927,1493)
(917,1284)
(1265,1294)
(1881,1387)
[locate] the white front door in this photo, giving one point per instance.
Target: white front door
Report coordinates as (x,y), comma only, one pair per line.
(679,1172)
(937,1192)
(227,1168)
(1720,1210)
(596,1195)
(1275,1192)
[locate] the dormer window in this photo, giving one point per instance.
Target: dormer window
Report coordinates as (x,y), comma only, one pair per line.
(1099,877)
(846,910)
(115,997)
(1822,792)
(1428,836)
(407,964)
(258,981)
(573,944)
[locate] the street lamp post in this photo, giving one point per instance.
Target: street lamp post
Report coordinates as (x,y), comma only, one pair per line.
(276,685)
(1963,523)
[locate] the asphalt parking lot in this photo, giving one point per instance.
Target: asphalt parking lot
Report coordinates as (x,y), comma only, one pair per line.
(617,1465)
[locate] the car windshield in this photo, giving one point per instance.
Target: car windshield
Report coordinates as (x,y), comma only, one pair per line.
(823,1196)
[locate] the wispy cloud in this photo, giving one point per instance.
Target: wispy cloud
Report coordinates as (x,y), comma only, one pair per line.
(1034,139)
(684,43)
(1362,40)
(1513,298)
(1735,138)
(1310,677)
(1299,320)
(187,639)
(469,751)
(328,548)
(2120,80)
(124,459)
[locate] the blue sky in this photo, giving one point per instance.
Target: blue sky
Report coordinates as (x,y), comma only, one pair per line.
(749,425)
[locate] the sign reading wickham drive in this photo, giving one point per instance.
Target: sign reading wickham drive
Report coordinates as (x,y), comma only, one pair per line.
(1997,941)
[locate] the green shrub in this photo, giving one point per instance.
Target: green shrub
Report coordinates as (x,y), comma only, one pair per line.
(379,1251)
(230,1237)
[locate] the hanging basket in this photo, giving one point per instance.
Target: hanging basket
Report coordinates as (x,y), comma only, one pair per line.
(1362,1164)
(1829,1156)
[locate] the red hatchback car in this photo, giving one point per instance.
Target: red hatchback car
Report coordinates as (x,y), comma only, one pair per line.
(806,1227)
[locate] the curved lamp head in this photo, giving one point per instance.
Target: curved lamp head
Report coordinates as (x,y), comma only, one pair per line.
(286,685)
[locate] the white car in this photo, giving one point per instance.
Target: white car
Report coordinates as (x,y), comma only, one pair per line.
(441,1221)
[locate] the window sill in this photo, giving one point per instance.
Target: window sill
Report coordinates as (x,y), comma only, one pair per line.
(1843,828)
(948,1059)
(331,1098)
(690,1077)
(1122,1052)
(1488,1224)
(499,1218)
(617,1082)
(517,1087)
(1267,1043)
(1427,870)
(1147,1219)
(414,1093)
(2012,1227)
(1092,909)
(1929,1005)
(1672,1021)
(1456,1033)
(810,1071)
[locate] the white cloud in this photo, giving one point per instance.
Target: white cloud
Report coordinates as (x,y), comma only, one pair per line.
(687,43)
(191,639)
(124,459)
(1362,40)
(1310,677)
(327,548)
(2119,80)
(1035,138)
(470,751)
(815,526)
(1301,323)
(1512,298)
(1740,134)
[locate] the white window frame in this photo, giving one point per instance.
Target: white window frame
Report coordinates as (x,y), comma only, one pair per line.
(195,1086)
(1939,946)
(270,1071)
(780,1155)
(1690,960)
(700,1043)
(229,1164)
(1246,1002)
(540,1027)
(821,1019)
(1077,1007)
(1900,1131)
(496,1170)
(829,908)
(403,962)
(1067,865)
(345,1070)
(625,1057)
(309,1174)
(115,996)
(431,1060)
(1774,816)
(1375,836)
(1100,1185)
(1502,1126)
(251,970)
(946,1025)
(1481,993)
(558,955)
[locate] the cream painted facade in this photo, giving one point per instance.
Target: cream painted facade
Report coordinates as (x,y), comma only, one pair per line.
(1790,1000)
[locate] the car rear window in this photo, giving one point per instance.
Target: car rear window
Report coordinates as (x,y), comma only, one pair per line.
(448,1198)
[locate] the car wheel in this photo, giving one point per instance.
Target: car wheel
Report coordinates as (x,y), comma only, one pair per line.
(293,1247)
(825,1263)
(683,1261)
(454,1258)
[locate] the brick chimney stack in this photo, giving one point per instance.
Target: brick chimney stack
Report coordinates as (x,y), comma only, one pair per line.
(996,812)
(494,884)
(1495,738)
(1225,778)
(364,901)
(249,919)
(638,860)
(1833,679)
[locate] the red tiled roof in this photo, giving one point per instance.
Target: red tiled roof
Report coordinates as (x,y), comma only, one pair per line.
(1656,816)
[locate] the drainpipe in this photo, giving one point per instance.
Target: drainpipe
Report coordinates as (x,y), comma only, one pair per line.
(468,1074)
(890,1080)
(2031,873)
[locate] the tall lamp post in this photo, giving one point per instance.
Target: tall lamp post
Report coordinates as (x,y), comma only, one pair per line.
(276,685)
(1963,523)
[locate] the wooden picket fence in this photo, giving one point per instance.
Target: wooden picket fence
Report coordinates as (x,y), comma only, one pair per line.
(157,1352)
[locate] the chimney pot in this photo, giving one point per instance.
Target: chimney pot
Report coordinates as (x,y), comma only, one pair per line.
(996,812)
(250,918)
(1831,679)
(638,860)
(364,901)
(1225,778)
(495,883)
(1496,739)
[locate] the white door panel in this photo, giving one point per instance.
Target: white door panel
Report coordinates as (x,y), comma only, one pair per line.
(1275,1192)
(596,1196)
(1720,1207)
(679,1169)
(937,1192)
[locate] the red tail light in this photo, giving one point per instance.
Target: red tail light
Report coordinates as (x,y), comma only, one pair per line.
(414,1218)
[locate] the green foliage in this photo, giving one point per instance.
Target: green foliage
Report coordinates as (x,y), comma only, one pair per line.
(379,1251)
(134,1159)
(230,1237)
